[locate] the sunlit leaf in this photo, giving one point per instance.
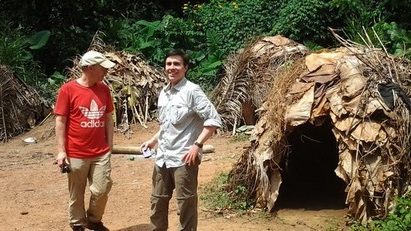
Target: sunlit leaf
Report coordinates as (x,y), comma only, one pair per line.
(39,39)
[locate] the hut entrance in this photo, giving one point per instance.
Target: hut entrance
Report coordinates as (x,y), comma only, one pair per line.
(308,174)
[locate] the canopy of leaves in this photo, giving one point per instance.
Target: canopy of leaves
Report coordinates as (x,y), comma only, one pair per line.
(208,30)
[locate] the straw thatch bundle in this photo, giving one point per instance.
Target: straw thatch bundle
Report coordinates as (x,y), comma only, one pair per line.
(21,107)
(248,78)
(365,93)
(134,85)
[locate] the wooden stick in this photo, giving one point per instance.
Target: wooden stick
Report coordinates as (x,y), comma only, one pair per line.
(44,120)
(126,150)
(134,150)
(146,111)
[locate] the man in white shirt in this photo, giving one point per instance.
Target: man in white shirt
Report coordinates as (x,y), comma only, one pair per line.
(187,119)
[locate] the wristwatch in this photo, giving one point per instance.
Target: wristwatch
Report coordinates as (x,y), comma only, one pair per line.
(200,145)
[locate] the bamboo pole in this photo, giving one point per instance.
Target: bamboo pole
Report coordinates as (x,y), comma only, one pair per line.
(135,150)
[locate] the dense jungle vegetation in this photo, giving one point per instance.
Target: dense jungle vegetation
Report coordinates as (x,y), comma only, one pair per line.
(39,38)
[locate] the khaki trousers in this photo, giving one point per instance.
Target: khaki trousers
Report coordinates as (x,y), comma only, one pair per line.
(97,171)
(184,180)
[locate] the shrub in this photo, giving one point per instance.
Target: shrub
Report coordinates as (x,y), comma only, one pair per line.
(15,53)
(398,220)
(304,21)
(363,12)
(229,24)
(396,39)
(217,198)
(154,39)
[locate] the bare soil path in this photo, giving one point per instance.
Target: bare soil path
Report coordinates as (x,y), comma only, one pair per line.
(34,193)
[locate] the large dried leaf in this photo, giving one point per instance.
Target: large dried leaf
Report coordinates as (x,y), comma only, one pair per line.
(300,112)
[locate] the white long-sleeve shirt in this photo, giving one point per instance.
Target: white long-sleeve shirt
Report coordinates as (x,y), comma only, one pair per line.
(184,110)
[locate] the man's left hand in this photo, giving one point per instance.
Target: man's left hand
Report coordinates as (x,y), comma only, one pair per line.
(192,155)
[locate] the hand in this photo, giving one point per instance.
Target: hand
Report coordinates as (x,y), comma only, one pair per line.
(148,144)
(61,157)
(192,155)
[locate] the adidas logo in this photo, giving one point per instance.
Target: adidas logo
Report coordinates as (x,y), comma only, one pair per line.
(92,124)
(94,114)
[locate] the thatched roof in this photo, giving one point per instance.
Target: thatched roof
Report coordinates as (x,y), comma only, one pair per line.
(365,92)
(248,78)
(21,107)
(134,85)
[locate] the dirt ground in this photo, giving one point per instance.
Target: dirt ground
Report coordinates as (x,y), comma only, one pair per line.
(34,193)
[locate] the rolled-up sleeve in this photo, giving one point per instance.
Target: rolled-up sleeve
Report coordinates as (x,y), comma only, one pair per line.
(205,109)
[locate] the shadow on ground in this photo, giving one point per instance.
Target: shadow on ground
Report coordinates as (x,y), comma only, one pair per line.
(140,227)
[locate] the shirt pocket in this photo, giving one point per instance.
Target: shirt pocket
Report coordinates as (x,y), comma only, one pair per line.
(179,114)
(161,114)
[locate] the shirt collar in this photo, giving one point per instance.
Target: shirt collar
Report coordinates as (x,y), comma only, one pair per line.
(178,86)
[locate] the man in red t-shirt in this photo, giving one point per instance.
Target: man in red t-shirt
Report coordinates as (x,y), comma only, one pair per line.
(84,132)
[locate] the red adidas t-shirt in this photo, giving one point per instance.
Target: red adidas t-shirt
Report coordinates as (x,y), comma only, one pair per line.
(85,109)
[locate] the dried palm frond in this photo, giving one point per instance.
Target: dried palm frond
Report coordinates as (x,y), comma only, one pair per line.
(134,85)
(21,107)
(248,78)
(97,42)
(233,89)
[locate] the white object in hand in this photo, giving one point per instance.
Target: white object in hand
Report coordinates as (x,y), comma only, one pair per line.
(146,153)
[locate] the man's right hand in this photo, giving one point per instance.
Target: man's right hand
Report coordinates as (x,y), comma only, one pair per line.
(61,157)
(148,144)
(151,143)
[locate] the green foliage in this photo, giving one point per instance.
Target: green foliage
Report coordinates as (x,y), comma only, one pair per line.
(363,12)
(217,198)
(400,12)
(395,38)
(53,84)
(206,71)
(139,37)
(208,31)
(229,24)
(304,21)
(398,220)
(15,53)
(154,39)
(368,12)
(72,23)
(358,227)
(313,46)
(39,39)
(362,17)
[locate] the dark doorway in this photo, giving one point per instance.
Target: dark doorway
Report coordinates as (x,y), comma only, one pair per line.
(308,174)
